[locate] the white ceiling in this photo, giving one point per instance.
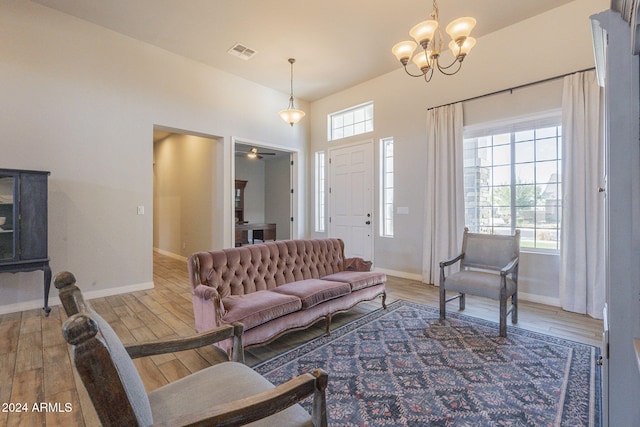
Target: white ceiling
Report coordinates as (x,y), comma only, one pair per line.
(336,43)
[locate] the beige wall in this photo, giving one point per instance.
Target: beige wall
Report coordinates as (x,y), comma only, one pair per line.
(547,45)
(82,102)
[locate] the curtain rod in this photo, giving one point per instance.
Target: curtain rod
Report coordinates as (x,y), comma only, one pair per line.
(514,88)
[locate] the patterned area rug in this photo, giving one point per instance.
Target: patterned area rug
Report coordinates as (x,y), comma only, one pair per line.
(404,367)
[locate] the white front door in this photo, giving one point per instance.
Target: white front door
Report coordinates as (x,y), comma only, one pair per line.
(351,198)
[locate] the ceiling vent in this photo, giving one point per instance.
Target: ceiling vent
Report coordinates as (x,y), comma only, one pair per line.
(242,51)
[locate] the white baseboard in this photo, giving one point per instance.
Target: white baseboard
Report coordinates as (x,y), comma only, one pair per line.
(523,296)
(54,300)
(540,299)
(401,274)
(171,254)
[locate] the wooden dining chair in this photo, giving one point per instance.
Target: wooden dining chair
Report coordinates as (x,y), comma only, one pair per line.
(226,394)
(488,268)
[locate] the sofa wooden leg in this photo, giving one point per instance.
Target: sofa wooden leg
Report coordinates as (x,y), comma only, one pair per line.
(384,300)
(327,331)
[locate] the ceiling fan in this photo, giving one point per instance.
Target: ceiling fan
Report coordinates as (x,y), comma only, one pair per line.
(253,153)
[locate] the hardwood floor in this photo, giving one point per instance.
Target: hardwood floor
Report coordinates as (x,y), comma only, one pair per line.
(35,363)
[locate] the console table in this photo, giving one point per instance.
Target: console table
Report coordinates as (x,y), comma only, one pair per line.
(23,224)
(259,231)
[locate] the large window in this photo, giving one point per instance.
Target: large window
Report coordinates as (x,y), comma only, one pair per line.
(351,121)
(512,180)
(320,191)
(386,187)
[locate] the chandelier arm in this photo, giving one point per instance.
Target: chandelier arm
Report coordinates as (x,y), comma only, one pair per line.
(431,38)
(443,69)
(430,75)
(414,75)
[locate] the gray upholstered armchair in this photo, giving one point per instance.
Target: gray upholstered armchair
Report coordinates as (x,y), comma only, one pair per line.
(225,394)
(482,256)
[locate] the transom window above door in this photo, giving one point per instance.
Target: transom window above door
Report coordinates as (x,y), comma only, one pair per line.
(351,121)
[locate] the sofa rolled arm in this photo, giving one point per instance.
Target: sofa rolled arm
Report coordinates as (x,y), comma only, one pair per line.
(208,295)
(357,264)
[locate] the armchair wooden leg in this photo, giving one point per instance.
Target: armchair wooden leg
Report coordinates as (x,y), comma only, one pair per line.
(503,317)
(443,302)
(463,301)
(319,409)
(514,308)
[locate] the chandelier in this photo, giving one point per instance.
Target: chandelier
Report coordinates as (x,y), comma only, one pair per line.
(291,115)
(428,34)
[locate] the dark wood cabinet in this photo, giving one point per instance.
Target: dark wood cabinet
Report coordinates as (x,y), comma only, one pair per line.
(239,201)
(23,224)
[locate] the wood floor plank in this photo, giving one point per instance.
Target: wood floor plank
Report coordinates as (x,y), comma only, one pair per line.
(173,370)
(7,370)
(64,409)
(27,389)
(9,335)
(29,352)
(150,373)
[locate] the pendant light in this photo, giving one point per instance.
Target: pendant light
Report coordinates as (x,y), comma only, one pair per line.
(291,115)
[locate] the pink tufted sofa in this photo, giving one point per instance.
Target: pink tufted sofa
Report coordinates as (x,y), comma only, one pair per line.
(278,286)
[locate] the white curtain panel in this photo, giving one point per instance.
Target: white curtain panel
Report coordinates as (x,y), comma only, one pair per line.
(444,189)
(582,251)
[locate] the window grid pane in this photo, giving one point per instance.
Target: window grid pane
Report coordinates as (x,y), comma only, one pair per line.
(352,121)
(320,192)
(513,180)
(386,197)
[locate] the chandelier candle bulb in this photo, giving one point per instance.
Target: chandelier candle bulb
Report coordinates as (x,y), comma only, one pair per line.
(404,50)
(424,32)
(460,28)
(461,51)
(422,60)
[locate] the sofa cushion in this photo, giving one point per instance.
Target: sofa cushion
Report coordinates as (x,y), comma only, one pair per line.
(258,307)
(358,279)
(314,291)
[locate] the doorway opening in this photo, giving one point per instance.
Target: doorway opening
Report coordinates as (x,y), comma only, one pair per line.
(264,192)
(188,192)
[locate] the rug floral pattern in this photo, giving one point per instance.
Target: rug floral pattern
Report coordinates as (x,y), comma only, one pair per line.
(404,367)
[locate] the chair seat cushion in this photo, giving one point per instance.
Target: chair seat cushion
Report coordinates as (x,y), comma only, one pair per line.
(218,384)
(314,291)
(258,307)
(358,279)
(479,283)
